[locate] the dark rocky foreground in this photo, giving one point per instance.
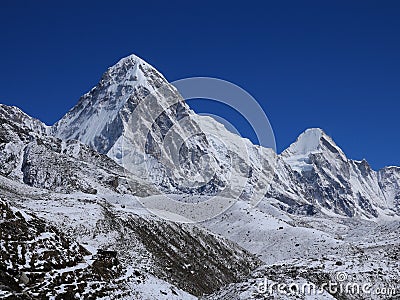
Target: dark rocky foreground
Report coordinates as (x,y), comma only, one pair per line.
(38,261)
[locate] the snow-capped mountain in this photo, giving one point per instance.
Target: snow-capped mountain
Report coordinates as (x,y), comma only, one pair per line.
(76,189)
(332,181)
(140,121)
(127,116)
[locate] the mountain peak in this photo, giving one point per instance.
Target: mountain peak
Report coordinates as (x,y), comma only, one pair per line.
(132,71)
(307,142)
(310,141)
(128,62)
(131,59)
(97,114)
(313,140)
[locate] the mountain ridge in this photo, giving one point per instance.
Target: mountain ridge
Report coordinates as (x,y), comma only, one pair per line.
(139,120)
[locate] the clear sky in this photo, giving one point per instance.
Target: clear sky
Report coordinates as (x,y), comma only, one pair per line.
(328,64)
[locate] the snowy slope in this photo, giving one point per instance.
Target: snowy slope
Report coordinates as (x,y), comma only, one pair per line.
(310,250)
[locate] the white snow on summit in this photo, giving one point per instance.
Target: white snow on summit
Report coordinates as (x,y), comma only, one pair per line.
(307,142)
(96,111)
(313,140)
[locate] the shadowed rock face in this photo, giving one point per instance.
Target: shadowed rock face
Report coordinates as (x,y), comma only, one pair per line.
(186,256)
(390,185)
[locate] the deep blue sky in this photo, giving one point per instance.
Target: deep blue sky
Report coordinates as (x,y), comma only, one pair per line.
(334,65)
